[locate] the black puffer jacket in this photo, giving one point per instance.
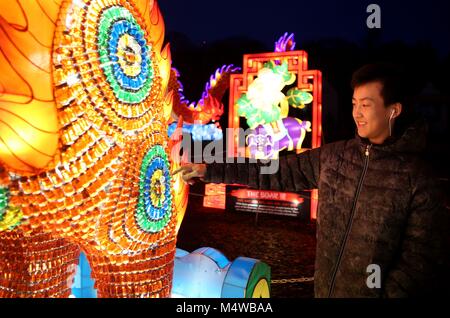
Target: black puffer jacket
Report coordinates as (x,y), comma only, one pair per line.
(378,204)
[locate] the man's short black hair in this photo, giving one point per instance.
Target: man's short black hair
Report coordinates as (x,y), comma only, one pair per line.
(390,76)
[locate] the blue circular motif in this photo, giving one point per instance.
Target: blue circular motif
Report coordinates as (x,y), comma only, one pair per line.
(118,29)
(124,55)
(152,211)
(154,208)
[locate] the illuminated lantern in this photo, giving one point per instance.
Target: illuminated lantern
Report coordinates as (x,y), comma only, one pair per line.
(84,152)
(298,98)
(268,140)
(215,196)
(199,132)
(264,105)
(206,272)
(264,102)
(201,118)
(257,95)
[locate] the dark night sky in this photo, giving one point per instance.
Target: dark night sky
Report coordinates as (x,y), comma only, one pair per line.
(263,20)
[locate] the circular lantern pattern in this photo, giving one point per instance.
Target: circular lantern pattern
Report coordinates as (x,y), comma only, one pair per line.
(155,199)
(124,55)
(105,69)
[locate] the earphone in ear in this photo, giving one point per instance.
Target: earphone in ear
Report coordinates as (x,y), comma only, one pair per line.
(390,119)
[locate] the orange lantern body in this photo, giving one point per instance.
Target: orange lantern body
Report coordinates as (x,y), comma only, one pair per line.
(84,153)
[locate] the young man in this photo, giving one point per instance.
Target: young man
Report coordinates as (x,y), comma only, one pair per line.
(381,222)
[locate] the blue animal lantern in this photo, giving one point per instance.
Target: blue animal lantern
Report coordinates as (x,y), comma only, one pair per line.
(204,273)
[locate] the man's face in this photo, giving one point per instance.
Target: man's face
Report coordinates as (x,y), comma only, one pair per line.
(369,112)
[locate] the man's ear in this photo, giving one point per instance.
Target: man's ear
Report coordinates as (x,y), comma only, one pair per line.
(397,109)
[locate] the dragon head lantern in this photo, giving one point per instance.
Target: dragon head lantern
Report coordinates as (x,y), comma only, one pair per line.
(84,155)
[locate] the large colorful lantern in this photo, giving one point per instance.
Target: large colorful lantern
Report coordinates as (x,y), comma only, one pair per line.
(84,151)
(269,94)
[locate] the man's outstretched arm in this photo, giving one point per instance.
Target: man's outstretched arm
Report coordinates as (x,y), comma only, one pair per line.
(292,173)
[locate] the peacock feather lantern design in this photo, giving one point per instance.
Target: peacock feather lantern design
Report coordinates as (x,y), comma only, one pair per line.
(85,160)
